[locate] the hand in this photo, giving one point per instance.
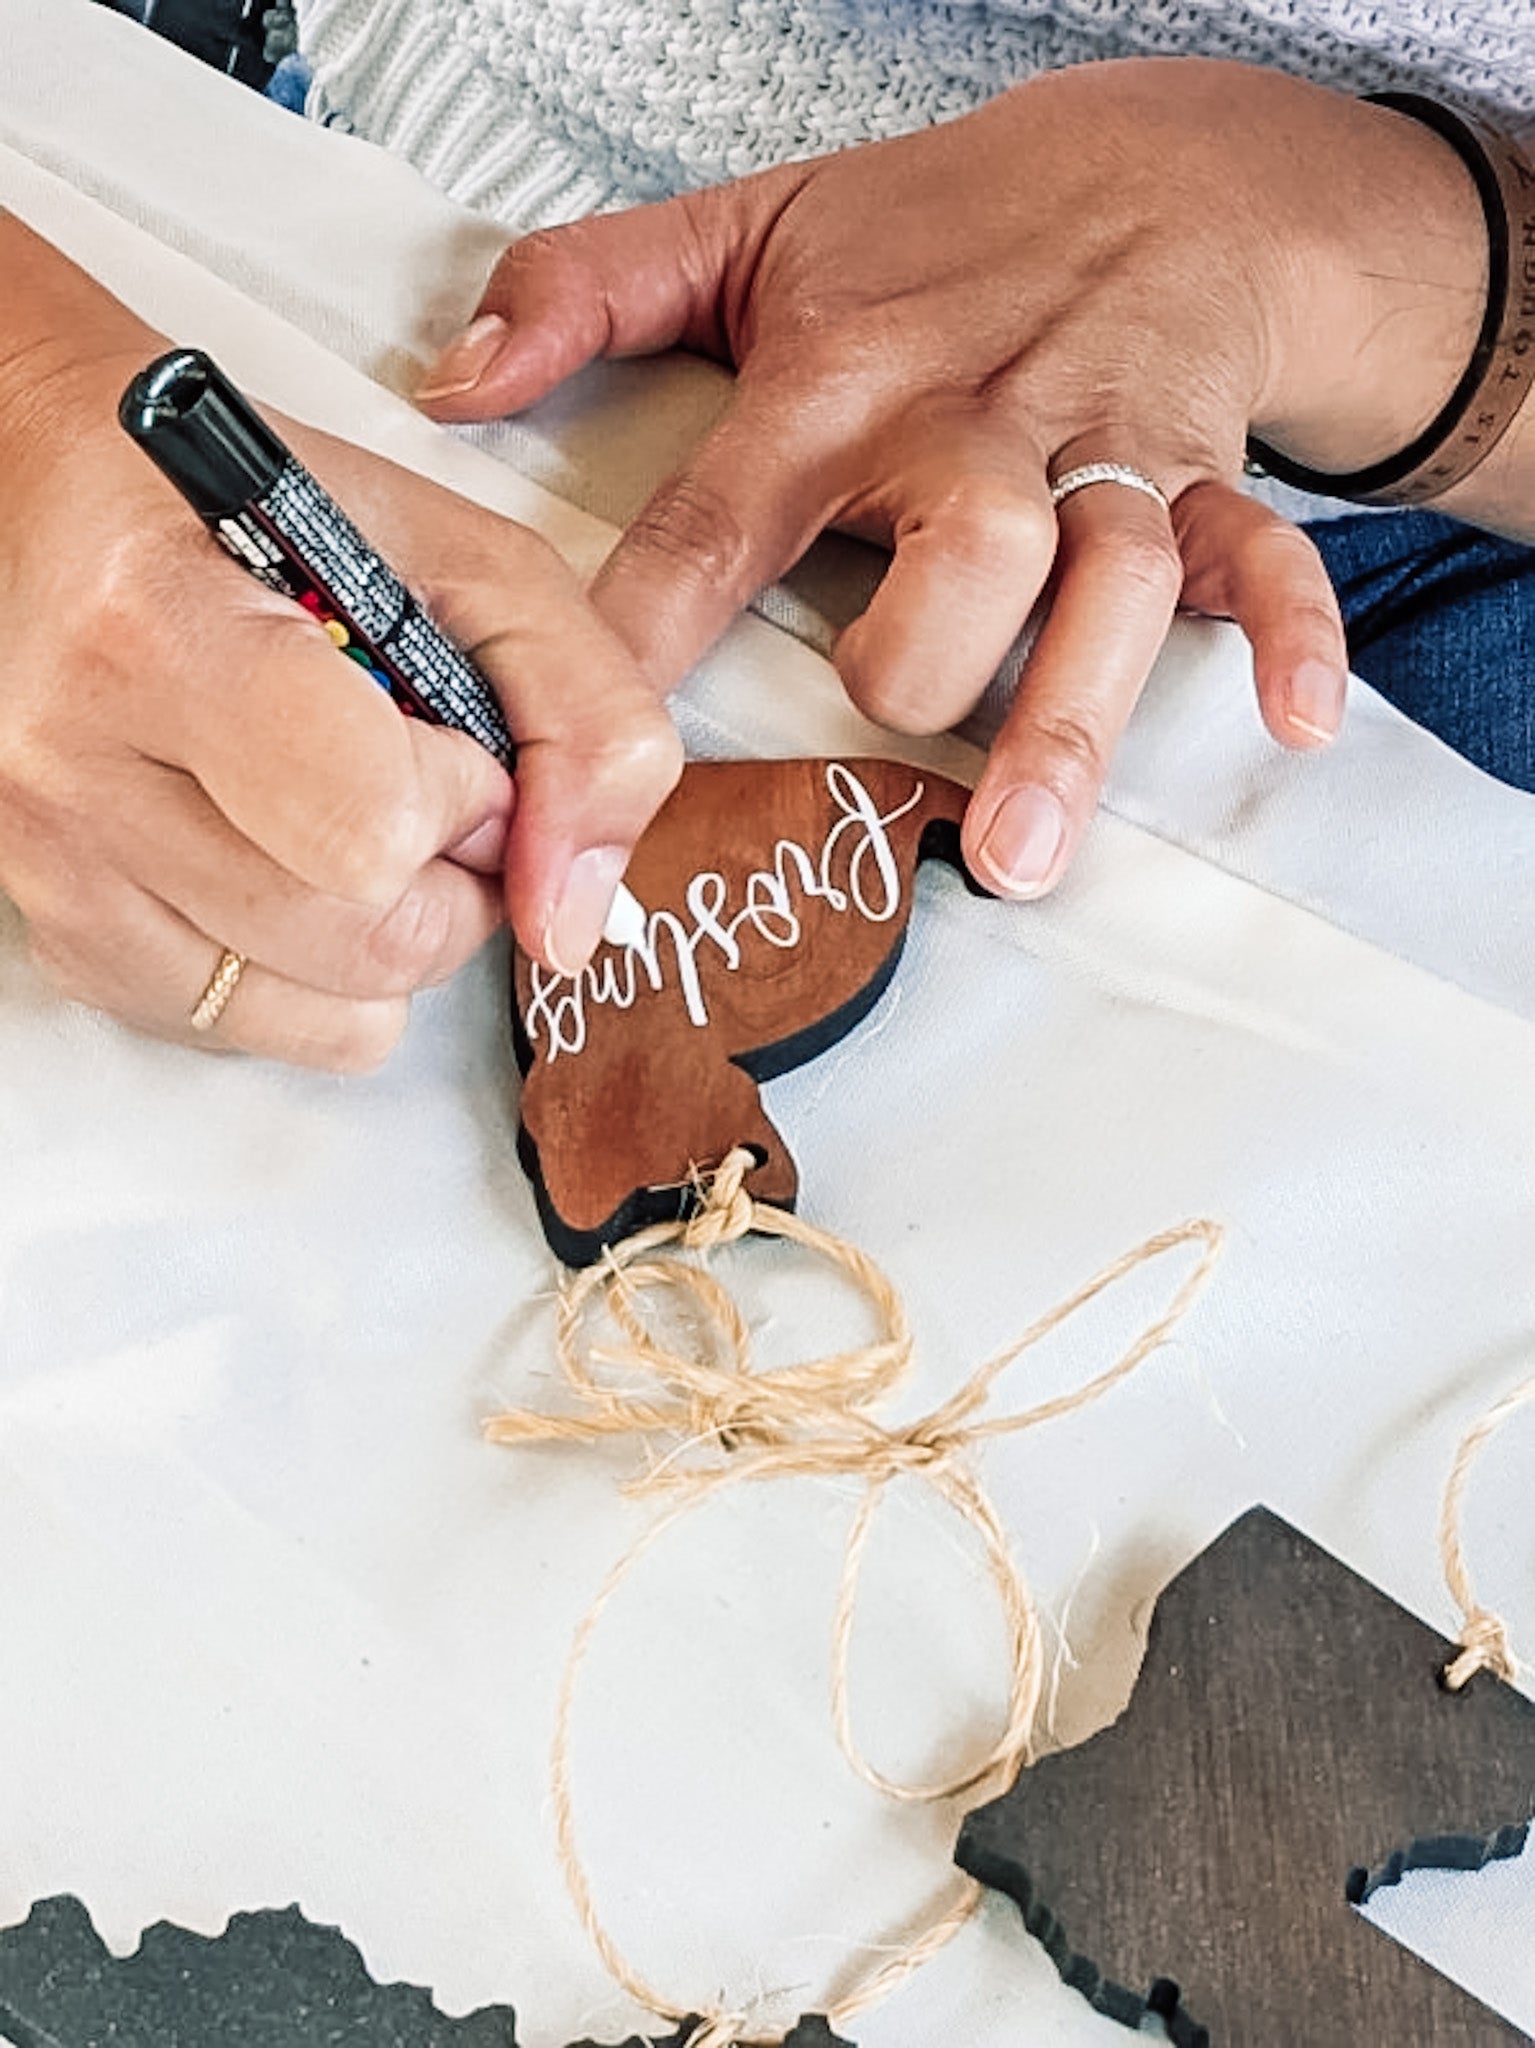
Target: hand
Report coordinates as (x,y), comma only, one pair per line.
(187,764)
(1125,262)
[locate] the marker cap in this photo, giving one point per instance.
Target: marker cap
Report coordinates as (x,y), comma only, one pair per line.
(196,427)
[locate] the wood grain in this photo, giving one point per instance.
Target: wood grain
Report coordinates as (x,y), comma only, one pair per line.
(778,895)
(1288,1748)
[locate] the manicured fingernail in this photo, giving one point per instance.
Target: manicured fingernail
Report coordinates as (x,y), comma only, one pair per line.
(1315,705)
(575,924)
(1024,840)
(465,359)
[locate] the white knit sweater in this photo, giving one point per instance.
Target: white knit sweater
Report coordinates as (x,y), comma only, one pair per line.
(536,111)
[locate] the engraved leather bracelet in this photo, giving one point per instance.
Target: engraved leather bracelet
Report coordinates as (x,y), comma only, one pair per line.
(1497,380)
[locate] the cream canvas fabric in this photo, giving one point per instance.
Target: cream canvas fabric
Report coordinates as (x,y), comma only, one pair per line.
(278,1626)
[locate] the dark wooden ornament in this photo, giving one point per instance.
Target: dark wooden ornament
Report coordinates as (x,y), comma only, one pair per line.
(1288,1749)
(809,2033)
(270,1980)
(777,895)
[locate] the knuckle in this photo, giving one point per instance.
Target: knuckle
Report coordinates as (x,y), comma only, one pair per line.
(1074,746)
(371,1037)
(367,851)
(406,947)
(537,246)
(73,936)
(355,1039)
(880,689)
(1146,563)
(888,698)
(632,771)
(1314,618)
(1277,548)
(811,362)
(693,529)
(650,756)
(543,249)
(59,966)
(993,528)
(136,603)
(622,729)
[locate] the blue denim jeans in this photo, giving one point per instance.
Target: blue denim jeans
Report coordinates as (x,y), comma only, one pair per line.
(1441,620)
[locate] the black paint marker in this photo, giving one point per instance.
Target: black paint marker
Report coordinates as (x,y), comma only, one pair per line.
(278,521)
(264,507)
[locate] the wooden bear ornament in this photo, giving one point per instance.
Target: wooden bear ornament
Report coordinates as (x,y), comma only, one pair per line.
(776,896)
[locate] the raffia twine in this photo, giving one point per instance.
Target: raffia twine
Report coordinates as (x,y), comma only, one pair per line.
(1484,1639)
(722,1423)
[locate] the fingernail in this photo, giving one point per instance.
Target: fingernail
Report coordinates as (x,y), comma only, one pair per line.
(1024,840)
(575,924)
(1315,705)
(465,359)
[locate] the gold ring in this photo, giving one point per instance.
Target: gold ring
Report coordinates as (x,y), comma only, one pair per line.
(1106,473)
(214,1000)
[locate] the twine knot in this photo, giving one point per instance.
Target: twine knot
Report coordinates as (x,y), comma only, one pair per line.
(921,1449)
(1484,1646)
(723,2031)
(725,1211)
(1484,1638)
(688,1378)
(729,1423)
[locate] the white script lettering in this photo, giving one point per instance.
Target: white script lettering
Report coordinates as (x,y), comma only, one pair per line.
(560,1005)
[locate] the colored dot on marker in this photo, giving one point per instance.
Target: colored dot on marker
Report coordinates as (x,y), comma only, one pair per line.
(338,633)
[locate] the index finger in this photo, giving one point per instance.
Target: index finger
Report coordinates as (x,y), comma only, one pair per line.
(743,509)
(306,756)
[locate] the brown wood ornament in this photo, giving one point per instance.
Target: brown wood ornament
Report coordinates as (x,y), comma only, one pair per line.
(1288,1749)
(776,895)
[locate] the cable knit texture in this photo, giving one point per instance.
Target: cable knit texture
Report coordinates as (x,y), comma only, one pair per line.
(536,111)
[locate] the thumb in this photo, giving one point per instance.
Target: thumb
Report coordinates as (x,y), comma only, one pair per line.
(596,757)
(618,284)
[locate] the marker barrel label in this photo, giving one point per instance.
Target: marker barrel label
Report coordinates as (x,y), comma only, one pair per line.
(296,521)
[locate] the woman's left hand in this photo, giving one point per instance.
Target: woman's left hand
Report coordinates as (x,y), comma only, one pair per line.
(1125,263)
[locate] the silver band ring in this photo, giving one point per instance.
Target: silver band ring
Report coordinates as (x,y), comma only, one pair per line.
(223,982)
(1106,473)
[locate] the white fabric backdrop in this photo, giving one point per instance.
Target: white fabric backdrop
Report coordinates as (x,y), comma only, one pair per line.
(279,1627)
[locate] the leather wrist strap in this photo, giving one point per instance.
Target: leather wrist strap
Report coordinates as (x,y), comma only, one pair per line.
(1498,378)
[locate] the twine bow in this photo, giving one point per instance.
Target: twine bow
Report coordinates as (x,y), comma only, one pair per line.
(714,1421)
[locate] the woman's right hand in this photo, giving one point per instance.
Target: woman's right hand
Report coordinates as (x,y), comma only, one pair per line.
(188,765)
